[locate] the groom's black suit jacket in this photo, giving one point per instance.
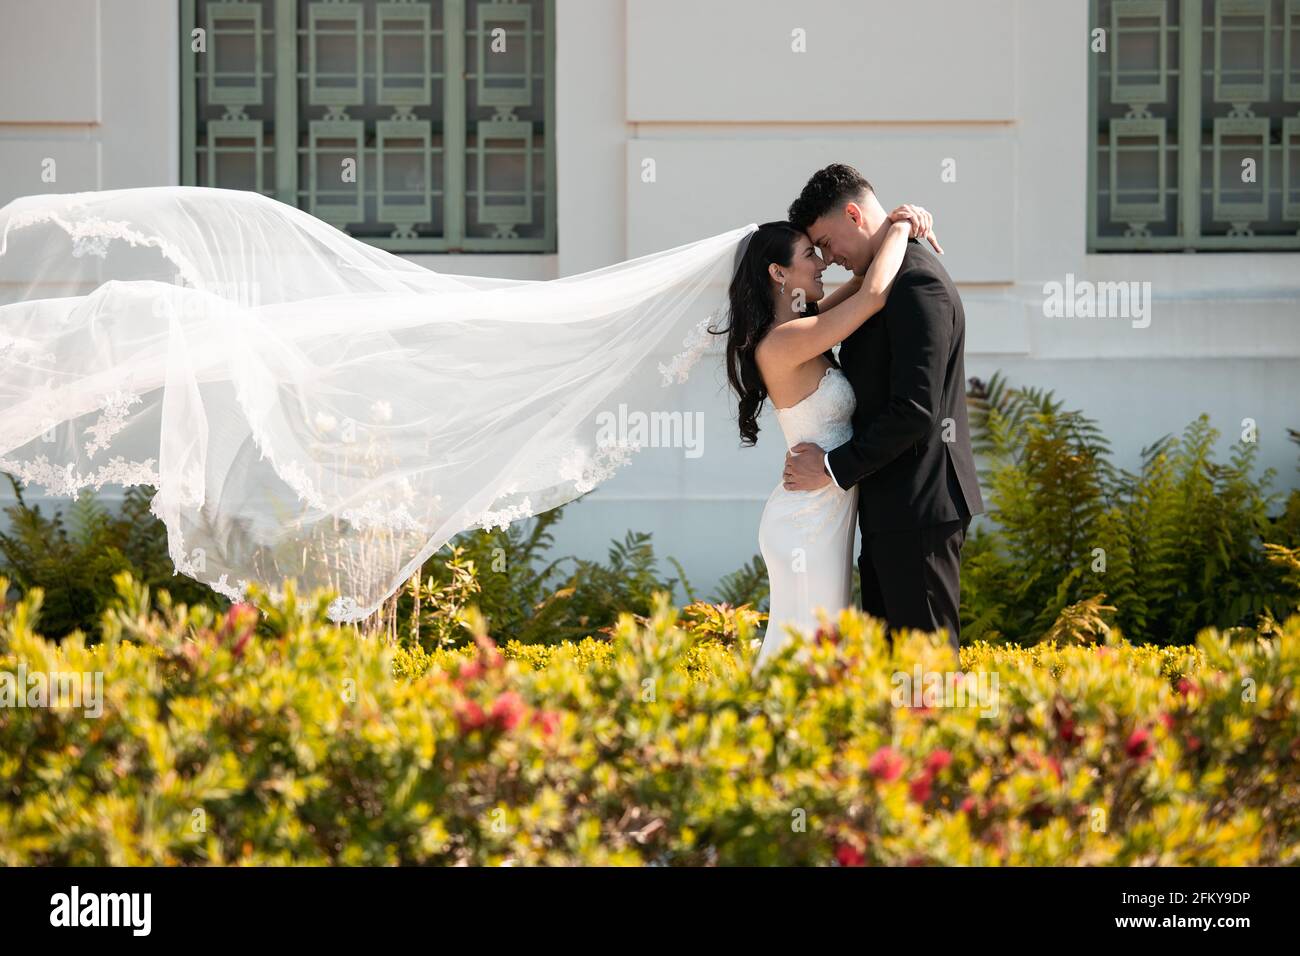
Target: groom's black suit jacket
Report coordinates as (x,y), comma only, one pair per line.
(907,369)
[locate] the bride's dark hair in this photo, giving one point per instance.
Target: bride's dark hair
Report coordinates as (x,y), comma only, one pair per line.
(750,315)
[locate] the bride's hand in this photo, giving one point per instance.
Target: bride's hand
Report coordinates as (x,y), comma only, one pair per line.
(922,223)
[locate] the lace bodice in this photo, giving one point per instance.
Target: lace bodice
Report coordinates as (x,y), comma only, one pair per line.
(823,417)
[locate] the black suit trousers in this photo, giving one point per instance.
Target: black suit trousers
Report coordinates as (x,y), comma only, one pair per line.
(913,578)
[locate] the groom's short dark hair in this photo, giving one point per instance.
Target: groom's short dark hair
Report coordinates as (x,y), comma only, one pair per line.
(828,188)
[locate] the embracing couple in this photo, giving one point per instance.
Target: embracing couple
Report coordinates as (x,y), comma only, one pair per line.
(880,433)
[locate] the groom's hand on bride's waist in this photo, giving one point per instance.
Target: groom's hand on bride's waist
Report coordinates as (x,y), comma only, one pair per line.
(805,468)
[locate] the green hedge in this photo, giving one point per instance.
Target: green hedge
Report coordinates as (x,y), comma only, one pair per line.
(228,739)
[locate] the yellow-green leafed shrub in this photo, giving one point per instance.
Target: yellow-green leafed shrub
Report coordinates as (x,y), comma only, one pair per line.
(229,739)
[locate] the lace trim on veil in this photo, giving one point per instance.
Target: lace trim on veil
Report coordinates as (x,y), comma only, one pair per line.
(695,344)
(65,482)
(92,235)
(585,468)
(576,464)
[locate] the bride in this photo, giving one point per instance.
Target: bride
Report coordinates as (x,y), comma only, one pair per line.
(779,343)
(310,407)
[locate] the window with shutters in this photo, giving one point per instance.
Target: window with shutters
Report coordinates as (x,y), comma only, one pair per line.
(415,125)
(1194,125)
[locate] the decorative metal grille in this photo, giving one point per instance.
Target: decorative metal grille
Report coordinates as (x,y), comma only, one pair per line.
(416,125)
(1194,125)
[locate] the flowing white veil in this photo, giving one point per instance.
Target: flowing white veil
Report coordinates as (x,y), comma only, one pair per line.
(309,406)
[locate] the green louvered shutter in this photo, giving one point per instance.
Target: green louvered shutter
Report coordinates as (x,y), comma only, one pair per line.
(1194,125)
(416,125)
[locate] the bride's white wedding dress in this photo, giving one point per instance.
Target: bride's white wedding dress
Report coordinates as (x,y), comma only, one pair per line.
(806,537)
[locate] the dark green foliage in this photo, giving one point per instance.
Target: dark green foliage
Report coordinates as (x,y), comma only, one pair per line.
(747,585)
(1286,529)
(534,598)
(1174,547)
(626,582)
(518,586)
(73,555)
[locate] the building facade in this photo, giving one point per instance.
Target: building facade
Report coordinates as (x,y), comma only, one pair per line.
(1122,236)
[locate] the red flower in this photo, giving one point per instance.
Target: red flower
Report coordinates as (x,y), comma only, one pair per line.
(920,787)
(488,652)
(1138,745)
(1167,719)
(938,760)
(1188,687)
(1067,732)
(829,634)
(1056,768)
(470,716)
(547,720)
(508,710)
(238,627)
(968,805)
(847,855)
(468,671)
(886,764)
(1193,742)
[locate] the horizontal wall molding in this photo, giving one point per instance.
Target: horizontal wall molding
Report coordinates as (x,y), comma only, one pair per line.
(75,162)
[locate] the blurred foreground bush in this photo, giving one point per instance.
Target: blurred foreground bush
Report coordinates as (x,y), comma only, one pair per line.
(236,738)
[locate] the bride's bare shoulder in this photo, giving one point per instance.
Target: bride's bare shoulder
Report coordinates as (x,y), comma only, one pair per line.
(769,351)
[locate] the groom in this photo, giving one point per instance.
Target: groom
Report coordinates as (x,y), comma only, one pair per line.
(910,453)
